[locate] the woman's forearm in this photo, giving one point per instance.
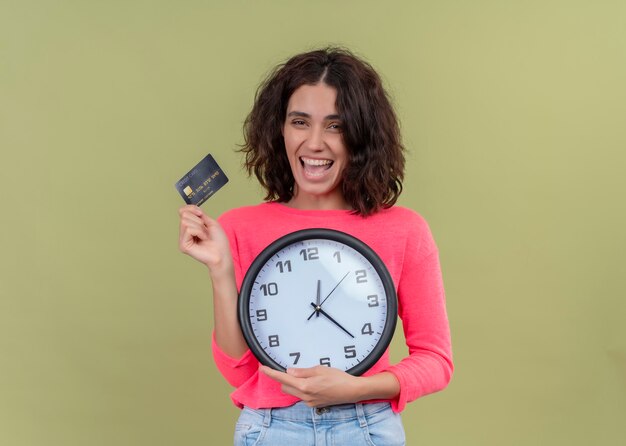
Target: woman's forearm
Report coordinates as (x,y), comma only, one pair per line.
(228,334)
(380,386)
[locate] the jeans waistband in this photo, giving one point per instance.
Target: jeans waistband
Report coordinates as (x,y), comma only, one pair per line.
(302,413)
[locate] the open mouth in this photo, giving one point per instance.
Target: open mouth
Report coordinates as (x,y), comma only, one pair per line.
(315,167)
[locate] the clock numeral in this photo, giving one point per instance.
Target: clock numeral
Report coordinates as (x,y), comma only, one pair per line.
(361,276)
(373,300)
(367,329)
(296,355)
(274,341)
(261,315)
(337,255)
(284,266)
(350,351)
(270,289)
(309,253)
(325,361)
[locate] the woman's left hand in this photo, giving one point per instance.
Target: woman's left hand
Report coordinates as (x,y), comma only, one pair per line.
(317,386)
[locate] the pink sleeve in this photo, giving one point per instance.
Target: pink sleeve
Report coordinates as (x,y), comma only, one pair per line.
(235,371)
(422,309)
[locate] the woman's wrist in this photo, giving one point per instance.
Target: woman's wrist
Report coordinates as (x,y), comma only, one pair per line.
(221,273)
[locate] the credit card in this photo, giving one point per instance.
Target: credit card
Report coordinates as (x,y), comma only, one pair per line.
(201,182)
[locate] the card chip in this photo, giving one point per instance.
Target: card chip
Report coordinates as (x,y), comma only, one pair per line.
(187,190)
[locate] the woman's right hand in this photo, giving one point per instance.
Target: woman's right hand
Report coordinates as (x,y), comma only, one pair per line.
(203,238)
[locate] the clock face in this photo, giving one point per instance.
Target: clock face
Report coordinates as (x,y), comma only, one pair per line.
(318,297)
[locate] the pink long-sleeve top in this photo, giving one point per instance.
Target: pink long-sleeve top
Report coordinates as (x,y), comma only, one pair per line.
(403,240)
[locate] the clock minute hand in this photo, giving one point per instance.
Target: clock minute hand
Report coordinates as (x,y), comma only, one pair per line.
(318,309)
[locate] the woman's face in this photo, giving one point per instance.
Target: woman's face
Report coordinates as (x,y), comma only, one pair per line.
(315,148)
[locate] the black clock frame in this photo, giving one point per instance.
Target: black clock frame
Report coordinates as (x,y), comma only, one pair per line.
(243,307)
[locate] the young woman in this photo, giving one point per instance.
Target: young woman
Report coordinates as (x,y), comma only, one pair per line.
(323,141)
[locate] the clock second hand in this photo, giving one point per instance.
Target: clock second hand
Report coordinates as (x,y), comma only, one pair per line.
(318,309)
(319,306)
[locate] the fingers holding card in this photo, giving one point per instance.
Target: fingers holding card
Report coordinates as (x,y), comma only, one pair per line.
(200,236)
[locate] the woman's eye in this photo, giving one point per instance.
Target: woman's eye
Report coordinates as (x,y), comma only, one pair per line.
(298,122)
(335,126)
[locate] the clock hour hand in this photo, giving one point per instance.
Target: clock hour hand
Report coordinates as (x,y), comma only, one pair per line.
(318,309)
(317,298)
(319,304)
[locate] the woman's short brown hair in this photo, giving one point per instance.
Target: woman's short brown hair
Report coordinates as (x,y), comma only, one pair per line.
(373,176)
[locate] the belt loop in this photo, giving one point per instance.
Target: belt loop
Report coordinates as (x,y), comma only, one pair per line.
(361,415)
(267,417)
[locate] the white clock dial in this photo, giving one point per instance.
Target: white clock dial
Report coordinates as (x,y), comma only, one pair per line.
(318,301)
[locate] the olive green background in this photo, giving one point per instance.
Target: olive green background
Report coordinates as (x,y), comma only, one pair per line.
(514,116)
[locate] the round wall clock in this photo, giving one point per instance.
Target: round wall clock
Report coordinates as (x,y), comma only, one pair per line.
(318,297)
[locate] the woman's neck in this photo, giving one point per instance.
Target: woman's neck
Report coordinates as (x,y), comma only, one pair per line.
(316,202)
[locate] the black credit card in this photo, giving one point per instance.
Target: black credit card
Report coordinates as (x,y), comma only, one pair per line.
(201,182)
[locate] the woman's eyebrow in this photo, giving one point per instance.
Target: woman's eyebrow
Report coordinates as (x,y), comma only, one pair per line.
(306,115)
(300,114)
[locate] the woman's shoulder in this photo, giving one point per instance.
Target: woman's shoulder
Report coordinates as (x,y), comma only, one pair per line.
(410,226)
(244,214)
(403,215)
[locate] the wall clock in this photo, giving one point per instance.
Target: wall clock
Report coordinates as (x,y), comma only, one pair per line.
(318,297)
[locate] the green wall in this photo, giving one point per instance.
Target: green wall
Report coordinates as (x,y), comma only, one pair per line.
(514,114)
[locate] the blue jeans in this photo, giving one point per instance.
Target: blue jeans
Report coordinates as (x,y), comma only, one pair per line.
(373,424)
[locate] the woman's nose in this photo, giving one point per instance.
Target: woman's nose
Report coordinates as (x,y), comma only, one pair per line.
(316,139)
